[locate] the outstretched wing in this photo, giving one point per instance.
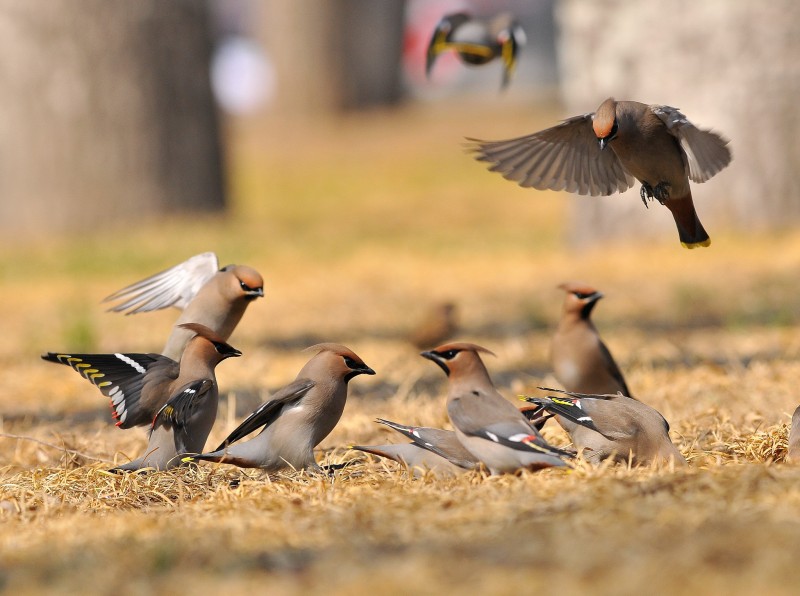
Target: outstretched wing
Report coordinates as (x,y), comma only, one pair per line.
(121,378)
(564,157)
(706,152)
(177,413)
(175,286)
(269,411)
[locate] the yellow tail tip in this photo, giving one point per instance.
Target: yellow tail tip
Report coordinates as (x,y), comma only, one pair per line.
(691,245)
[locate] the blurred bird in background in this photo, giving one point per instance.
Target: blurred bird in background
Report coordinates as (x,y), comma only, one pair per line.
(580,359)
(477,41)
(438,325)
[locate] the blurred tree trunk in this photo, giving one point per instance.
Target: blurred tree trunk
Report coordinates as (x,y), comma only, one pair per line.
(335,55)
(730,66)
(106,114)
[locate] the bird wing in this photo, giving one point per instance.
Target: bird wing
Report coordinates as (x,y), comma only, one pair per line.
(175,286)
(474,417)
(179,409)
(706,152)
(269,411)
(613,368)
(443,443)
(575,409)
(121,378)
(564,157)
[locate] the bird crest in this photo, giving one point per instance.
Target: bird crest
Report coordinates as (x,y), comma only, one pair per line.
(604,118)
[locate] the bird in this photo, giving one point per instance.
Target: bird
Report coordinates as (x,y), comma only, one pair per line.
(580,359)
(432,450)
(208,295)
(623,429)
(488,426)
(439,324)
(606,151)
(178,400)
(477,41)
(794,437)
(297,418)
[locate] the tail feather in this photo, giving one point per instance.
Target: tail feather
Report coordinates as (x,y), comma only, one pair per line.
(690,230)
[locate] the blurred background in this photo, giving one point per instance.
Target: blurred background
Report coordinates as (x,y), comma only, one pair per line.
(303,138)
(113,112)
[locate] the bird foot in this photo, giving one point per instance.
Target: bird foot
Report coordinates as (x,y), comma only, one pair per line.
(660,193)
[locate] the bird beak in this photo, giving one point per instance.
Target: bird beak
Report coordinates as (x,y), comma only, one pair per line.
(434,358)
(367,371)
(234,354)
(257,293)
(603,144)
(595,297)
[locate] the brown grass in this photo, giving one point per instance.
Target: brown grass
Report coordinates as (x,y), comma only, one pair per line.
(357,227)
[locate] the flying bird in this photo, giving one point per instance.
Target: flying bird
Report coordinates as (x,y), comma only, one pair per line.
(477,41)
(606,151)
(208,295)
(439,324)
(177,400)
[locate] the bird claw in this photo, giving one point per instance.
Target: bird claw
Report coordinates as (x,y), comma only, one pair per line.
(660,193)
(646,192)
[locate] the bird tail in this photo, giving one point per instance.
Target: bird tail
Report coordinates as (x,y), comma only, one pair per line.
(213,457)
(690,230)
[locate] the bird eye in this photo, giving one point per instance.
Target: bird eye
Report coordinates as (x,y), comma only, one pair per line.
(449,354)
(613,132)
(245,287)
(352,364)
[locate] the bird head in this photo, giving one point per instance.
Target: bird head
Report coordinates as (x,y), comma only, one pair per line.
(604,122)
(222,348)
(580,298)
(244,282)
(457,357)
(342,360)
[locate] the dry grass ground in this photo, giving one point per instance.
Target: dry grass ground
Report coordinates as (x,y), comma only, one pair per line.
(357,227)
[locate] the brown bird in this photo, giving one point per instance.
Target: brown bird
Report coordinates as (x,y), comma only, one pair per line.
(208,295)
(177,400)
(439,324)
(621,428)
(794,437)
(580,360)
(488,426)
(431,450)
(297,418)
(478,42)
(654,144)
